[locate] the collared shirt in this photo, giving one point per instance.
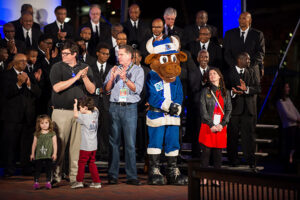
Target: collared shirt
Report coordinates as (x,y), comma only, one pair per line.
(58,24)
(44,54)
(114,41)
(103,66)
(94,27)
(116,52)
(166,28)
(238,69)
(136,22)
(136,75)
(29,33)
(30,67)
(203,70)
(205,44)
(20,72)
(245,34)
(199,27)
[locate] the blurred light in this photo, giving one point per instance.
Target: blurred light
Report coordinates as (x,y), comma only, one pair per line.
(286,41)
(291,34)
(67,19)
(284,63)
(85,9)
(281,51)
(113,12)
(108,1)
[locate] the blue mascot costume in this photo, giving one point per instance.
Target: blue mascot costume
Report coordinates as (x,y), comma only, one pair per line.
(165,98)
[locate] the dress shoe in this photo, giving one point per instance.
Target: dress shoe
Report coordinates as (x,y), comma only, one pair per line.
(112,181)
(133,182)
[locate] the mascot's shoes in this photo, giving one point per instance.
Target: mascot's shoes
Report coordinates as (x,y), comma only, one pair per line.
(154,176)
(174,177)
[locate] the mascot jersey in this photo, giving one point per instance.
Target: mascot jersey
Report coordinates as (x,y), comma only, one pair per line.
(160,95)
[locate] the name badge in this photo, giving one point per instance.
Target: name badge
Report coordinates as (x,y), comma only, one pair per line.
(217,119)
(158,86)
(123,95)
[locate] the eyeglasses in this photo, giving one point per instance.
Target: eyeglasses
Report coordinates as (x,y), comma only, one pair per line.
(65,53)
(106,54)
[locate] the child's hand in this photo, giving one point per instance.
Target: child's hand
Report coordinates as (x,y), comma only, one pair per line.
(54,157)
(75,103)
(31,157)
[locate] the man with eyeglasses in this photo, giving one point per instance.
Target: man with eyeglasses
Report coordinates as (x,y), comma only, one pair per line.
(20,92)
(170,29)
(13,45)
(70,79)
(100,69)
(204,43)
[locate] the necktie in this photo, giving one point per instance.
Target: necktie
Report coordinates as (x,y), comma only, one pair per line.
(243,37)
(61,28)
(241,73)
(27,40)
(203,47)
(101,73)
(97,32)
(169,31)
(135,26)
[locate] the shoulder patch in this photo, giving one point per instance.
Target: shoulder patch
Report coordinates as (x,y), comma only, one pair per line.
(158,86)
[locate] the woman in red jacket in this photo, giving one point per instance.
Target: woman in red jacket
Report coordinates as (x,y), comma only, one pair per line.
(215,112)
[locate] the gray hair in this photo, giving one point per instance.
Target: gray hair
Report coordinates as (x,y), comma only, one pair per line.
(170,11)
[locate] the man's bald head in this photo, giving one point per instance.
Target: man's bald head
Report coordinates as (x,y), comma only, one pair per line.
(157,26)
(201,18)
(20,61)
(9,31)
(27,20)
(134,12)
(245,20)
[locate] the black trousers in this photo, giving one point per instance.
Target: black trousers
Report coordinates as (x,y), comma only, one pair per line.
(104,129)
(17,139)
(243,124)
(206,154)
(39,164)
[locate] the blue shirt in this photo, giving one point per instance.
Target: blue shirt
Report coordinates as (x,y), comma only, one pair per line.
(136,75)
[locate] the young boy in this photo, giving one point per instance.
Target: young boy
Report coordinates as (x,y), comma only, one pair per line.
(87,116)
(3,59)
(32,55)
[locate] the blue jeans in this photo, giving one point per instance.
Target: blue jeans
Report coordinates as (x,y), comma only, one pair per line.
(123,118)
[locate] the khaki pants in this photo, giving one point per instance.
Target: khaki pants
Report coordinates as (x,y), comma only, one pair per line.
(68,128)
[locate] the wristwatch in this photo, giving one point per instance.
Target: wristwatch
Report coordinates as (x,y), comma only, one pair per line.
(126,80)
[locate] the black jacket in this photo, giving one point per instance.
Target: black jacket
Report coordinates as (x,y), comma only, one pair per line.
(36,33)
(208,104)
(52,29)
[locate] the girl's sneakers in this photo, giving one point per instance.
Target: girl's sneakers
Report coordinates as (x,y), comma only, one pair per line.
(36,185)
(48,185)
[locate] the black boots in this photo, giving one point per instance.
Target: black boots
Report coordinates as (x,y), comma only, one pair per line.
(174,177)
(155,177)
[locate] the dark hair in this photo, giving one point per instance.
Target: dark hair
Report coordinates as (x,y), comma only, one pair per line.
(71,45)
(28,50)
(59,7)
(44,37)
(241,55)
(25,7)
(221,82)
(207,27)
(280,92)
(40,118)
(137,51)
(102,45)
(128,49)
(88,102)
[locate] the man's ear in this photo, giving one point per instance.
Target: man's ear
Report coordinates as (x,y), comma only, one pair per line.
(181,56)
(149,59)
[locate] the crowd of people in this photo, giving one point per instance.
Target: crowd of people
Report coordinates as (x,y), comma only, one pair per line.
(45,73)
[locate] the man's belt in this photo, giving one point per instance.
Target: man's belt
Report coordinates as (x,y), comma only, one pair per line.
(122,103)
(157,110)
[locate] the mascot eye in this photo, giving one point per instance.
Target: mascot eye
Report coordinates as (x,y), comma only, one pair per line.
(173,58)
(163,59)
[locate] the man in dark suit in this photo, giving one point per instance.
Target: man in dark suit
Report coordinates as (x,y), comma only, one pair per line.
(83,54)
(245,39)
(18,114)
(100,30)
(121,40)
(3,59)
(197,80)
(170,29)
(59,30)
(27,33)
(205,43)
(243,85)
(100,70)
(136,29)
(85,37)
(25,8)
(191,32)
(13,45)
(115,30)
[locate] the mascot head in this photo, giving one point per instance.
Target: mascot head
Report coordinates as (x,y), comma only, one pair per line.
(164,58)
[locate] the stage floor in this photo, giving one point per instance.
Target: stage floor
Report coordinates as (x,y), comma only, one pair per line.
(21,187)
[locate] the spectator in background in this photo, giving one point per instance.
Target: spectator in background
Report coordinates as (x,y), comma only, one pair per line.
(100,30)
(25,8)
(170,29)
(13,45)
(59,30)
(27,33)
(121,40)
(191,32)
(115,30)
(290,119)
(20,92)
